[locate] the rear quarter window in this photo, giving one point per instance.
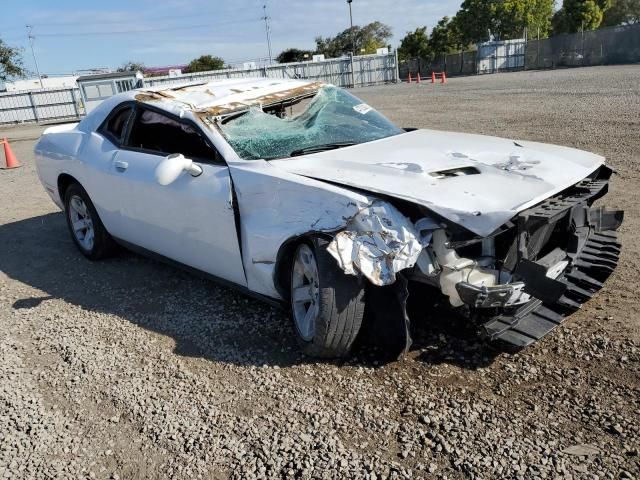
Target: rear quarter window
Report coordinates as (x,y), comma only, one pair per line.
(114,127)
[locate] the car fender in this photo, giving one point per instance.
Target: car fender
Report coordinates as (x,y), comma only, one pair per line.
(276,207)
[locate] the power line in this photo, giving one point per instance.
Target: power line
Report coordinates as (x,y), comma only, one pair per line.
(125,22)
(115,22)
(137,31)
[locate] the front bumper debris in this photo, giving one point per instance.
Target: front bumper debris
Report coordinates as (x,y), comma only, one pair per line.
(591,250)
(553,258)
(583,279)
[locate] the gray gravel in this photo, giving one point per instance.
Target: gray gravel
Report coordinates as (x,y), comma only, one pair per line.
(131,369)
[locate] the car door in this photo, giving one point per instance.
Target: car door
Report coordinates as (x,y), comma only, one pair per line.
(192,220)
(97,153)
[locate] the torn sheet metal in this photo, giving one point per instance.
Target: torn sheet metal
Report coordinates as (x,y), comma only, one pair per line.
(226,96)
(378,242)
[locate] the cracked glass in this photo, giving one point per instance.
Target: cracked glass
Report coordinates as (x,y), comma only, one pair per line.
(333,119)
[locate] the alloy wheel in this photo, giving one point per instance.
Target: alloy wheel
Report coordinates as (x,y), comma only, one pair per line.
(81,222)
(305,293)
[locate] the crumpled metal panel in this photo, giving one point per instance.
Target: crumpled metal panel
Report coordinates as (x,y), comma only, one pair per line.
(378,242)
(275,207)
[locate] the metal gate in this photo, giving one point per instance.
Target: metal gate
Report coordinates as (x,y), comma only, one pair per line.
(498,56)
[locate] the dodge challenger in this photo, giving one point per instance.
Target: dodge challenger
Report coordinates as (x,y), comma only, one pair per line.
(301,194)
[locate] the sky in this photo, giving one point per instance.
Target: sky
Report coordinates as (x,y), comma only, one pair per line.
(70,35)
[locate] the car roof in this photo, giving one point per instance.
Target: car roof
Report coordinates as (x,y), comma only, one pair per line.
(220,97)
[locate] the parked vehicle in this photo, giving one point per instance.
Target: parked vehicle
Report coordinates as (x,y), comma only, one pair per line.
(301,194)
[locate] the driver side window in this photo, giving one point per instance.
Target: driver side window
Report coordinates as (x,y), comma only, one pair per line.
(157,133)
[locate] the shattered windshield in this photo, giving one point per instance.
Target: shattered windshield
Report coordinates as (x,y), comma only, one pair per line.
(334,118)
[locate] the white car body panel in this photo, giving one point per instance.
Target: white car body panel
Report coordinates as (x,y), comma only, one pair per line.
(511,178)
(190,221)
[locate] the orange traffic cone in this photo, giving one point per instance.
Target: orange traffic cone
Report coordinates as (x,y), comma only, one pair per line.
(433,77)
(410,79)
(10,158)
(418,78)
(444,77)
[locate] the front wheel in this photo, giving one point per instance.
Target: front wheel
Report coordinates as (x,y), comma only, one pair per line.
(87,230)
(326,304)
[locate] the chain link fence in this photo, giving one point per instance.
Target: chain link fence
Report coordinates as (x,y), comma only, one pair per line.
(607,46)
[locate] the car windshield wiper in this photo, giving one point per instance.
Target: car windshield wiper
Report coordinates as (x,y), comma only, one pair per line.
(321,148)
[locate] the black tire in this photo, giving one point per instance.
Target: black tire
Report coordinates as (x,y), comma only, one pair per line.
(103,245)
(341,307)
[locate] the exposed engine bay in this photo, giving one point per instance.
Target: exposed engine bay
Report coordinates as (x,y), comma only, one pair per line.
(517,283)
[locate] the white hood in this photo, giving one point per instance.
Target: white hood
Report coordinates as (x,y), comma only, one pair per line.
(487,180)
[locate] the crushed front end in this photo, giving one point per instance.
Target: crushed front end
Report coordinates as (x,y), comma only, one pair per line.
(521,282)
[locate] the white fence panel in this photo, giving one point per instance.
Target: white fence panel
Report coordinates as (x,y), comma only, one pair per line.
(40,105)
(501,55)
(367,70)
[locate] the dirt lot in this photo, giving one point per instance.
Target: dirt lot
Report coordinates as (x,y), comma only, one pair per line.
(131,369)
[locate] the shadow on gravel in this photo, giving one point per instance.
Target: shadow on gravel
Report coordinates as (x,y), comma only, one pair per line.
(205,320)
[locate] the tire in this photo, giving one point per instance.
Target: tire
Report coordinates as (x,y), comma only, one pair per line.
(338,300)
(78,209)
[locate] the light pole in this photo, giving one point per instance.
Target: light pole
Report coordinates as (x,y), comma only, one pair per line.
(353,45)
(35,62)
(268,28)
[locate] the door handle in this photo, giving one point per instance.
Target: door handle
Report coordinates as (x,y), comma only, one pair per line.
(120,165)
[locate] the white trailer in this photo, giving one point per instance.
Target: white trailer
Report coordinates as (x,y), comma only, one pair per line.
(96,88)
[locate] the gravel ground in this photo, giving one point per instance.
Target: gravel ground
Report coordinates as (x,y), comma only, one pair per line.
(127,368)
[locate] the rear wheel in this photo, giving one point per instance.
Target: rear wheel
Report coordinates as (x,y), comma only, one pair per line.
(326,304)
(87,231)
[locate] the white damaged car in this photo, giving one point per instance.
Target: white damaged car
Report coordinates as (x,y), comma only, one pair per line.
(301,194)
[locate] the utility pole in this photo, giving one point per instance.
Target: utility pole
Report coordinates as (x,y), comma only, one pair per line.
(35,62)
(353,44)
(268,28)
(538,47)
(582,41)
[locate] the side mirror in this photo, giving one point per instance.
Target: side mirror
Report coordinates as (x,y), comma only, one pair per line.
(169,169)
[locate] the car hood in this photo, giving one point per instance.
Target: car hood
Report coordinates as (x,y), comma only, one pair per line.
(476,181)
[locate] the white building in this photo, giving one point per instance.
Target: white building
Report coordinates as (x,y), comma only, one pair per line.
(66,81)
(95,88)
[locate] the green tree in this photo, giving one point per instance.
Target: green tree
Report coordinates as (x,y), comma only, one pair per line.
(10,62)
(368,38)
(294,55)
(415,45)
(477,20)
(132,67)
(517,15)
(576,15)
(205,63)
(622,12)
(444,38)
